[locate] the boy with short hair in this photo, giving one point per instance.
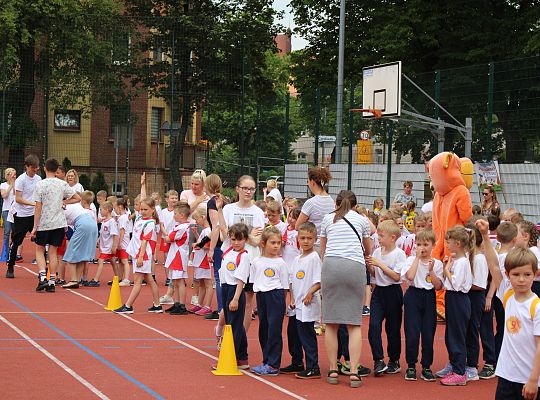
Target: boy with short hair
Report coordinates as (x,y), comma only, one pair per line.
(506,235)
(101,197)
(424,274)
(305,281)
(49,221)
(387,298)
(518,368)
(23,208)
(273,213)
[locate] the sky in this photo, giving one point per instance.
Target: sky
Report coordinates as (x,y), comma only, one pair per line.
(288,22)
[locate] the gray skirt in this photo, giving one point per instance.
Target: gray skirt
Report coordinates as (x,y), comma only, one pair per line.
(343,286)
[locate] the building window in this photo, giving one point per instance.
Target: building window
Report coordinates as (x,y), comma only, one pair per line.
(155,124)
(67,120)
(158,55)
(120,125)
(121,49)
(301,157)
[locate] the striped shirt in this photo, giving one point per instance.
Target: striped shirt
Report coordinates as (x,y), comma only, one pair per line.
(316,208)
(341,239)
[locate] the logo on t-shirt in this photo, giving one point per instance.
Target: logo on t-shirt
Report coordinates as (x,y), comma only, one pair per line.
(231,266)
(269,272)
(513,325)
(428,278)
(300,274)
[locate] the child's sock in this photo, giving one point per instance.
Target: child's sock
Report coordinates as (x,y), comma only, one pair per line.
(42,276)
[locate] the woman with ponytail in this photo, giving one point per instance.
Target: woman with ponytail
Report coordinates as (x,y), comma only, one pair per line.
(345,238)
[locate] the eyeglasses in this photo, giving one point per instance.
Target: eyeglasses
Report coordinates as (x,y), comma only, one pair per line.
(247,189)
(486,194)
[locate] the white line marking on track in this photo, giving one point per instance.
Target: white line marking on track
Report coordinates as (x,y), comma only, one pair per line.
(75,375)
(196,349)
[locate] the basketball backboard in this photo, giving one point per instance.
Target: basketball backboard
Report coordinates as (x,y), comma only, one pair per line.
(381,89)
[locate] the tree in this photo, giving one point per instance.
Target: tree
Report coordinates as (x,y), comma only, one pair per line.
(207,45)
(427,36)
(61,49)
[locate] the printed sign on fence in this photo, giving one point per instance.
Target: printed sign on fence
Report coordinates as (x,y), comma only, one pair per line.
(488,174)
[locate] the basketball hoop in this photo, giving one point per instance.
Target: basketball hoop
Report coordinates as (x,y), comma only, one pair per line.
(376,113)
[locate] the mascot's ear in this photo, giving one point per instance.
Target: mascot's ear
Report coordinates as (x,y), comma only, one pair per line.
(447,159)
(467,171)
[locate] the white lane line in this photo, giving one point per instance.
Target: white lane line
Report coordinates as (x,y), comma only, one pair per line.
(75,375)
(196,349)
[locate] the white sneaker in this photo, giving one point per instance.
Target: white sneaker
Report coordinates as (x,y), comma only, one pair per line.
(125,282)
(194,300)
(166,300)
(472,374)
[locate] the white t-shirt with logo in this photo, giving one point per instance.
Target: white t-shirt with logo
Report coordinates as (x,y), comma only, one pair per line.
(252,216)
(305,272)
(230,270)
(422,279)
(520,330)
(26,186)
(393,260)
(109,229)
(268,274)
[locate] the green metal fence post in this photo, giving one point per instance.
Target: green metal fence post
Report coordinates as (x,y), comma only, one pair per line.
(489,125)
(317,125)
(351,138)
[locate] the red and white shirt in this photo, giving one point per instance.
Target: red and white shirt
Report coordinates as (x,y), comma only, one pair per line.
(177,257)
(291,246)
(127,225)
(143,229)
(200,256)
(166,217)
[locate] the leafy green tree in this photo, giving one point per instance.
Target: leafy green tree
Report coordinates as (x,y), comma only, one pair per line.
(427,36)
(210,44)
(60,48)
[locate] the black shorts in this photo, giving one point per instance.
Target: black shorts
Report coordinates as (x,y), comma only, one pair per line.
(248,287)
(53,237)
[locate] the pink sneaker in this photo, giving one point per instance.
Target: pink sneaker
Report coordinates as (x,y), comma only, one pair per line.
(204,311)
(453,379)
(194,309)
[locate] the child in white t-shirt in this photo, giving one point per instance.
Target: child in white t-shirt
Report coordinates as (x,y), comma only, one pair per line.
(176,263)
(273,212)
(125,228)
(108,242)
(269,275)
(202,271)
(291,246)
(458,280)
(305,281)
(387,298)
(527,237)
(166,219)
(424,275)
(518,366)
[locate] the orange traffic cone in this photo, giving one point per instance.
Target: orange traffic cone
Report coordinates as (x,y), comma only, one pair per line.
(227,356)
(115,299)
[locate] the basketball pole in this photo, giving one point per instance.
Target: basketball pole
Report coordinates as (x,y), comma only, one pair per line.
(339,109)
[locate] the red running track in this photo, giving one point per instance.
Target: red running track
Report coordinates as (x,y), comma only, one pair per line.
(64,345)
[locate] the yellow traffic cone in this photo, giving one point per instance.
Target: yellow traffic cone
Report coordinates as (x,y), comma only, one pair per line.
(227,356)
(115,300)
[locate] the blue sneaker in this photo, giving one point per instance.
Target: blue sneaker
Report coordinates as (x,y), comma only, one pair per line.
(445,371)
(265,369)
(472,374)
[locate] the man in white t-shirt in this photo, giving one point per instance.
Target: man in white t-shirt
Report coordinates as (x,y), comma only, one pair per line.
(23,208)
(50,221)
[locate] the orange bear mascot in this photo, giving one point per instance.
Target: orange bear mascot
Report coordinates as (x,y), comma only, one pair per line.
(451,178)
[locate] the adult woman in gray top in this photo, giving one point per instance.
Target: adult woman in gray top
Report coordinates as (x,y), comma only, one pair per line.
(321,204)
